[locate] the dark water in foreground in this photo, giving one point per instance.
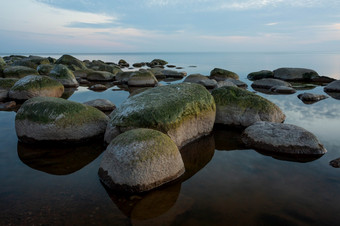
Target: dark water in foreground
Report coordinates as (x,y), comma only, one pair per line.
(224,183)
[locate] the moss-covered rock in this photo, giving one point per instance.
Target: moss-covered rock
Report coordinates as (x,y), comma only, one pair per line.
(195,78)
(18,72)
(123,77)
(71,62)
(142,78)
(183,111)
(140,160)
(35,85)
(221,74)
(123,63)
(45,69)
(65,76)
(157,62)
(101,104)
(110,68)
(260,75)
(239,107)
(100,76)
(44,119)
(295,74)
(31,61)
(7,83)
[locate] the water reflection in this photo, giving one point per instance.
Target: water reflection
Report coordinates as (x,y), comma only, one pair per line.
(228,139)
(68,92)
(58,160)
(334,95)
(290,157)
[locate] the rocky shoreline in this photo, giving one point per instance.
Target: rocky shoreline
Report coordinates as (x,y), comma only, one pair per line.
(155,117)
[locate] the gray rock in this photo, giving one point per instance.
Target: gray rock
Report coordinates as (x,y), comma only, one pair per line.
(71,62)
(333,87)
(45,69)
(335,163)
(173,74)
(225,83)
(123,77)
(142,78)
(5,85)
(82,73)
(239,107)
(64,75)
(208,83)
(268,83)
(323,80)
(101,104)
(283,138)
(31,61)
(100,76)
(140,160)
(123,63)
(221,74)
(295,74)
(98,87)
(237,82)
(18,72)
(49,119)
(260,75)
(195,78)
(283,90)
(311,98)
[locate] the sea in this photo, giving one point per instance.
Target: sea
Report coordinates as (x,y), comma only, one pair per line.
(225,183)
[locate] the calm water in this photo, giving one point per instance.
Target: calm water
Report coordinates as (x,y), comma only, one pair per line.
(224,183)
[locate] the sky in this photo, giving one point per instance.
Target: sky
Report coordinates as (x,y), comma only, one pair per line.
(106,26)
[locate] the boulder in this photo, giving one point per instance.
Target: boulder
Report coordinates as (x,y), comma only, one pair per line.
(268,83)
(295,74)
(123,77)
(195,78)
(34,86)
(333,87)
(323,80)
(225,83)
(109,68)
(100,76)
(173,74)
(71,62)
(31,61)
(64,75)
(45,69)
(221,74)
(123,63)
(142,78)
(283,90)
(82,73)
(239,107)
(208,83)
(282,138)
(310,98)
(157,62)
(101,104)
(335,163)
(183,111)
(98,87)
(140,160)
(260,75)
(138,64)
(237,82)
(18,72)
(50,119)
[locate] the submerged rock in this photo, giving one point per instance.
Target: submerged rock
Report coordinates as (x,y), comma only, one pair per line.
(208,83)
(311,98)
(142,78)
(295,74)
(98,87)
(268,83)
(221,74)
(239,107)
(195,78)
(237,82)
(46,119)
(62,74)
(140,160)
(34,86)
(71,62)
(283,138)
(283,90)
(183,111)
(335,163)
(101,104)
(260,75)
(18,72)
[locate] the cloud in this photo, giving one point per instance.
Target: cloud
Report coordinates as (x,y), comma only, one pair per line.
(271,24)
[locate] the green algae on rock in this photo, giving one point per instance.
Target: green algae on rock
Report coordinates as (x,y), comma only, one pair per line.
(140,160)
(7,83)
(142,78)
(260,75)
(57,119)
(221,74)
(183,111)
(239,107)
(18,72)
(71,62)
(64,75)
(35,85)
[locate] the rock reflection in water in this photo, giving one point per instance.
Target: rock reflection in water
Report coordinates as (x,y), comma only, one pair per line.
(290,157)
(334,95)
(58,160)
(228,139)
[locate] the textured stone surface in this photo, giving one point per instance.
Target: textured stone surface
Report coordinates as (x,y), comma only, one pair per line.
(142,78)
(18,72)
(183,111)
(283,89)
(260,75)
(34,86)
(45,69)
(221,74)
(64,75)
(283,138)
(333,87)
(55,119)
(71,62)
(295,74)
(311,97)
(100,76)
(101,104)
(140,160)
(239,107)
(268,83)
(195,78)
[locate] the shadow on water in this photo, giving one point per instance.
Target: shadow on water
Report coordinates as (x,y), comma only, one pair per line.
(58,160)
(152,204)
(228,139)
(290,157)
(68,92)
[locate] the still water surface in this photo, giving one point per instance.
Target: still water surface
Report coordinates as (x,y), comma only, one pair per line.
(224,183)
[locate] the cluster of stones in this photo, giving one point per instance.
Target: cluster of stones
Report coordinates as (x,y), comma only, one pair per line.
(145,133)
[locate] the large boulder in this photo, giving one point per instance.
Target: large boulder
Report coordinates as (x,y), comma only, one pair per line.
(64,75)
(142,78)
(157,62)
(221,74)
(71,62)
(123,77)
(100,76)
(239,107)
(34,86)
(50,119)
(140,160)
(260,75)
(31,61)
(295,74)
(183,111)
(333,87)
(282,138)
(18,72)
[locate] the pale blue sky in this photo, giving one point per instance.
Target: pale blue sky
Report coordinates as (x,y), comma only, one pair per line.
(88,26)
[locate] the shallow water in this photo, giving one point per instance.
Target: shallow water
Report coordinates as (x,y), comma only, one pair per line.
(224,183)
